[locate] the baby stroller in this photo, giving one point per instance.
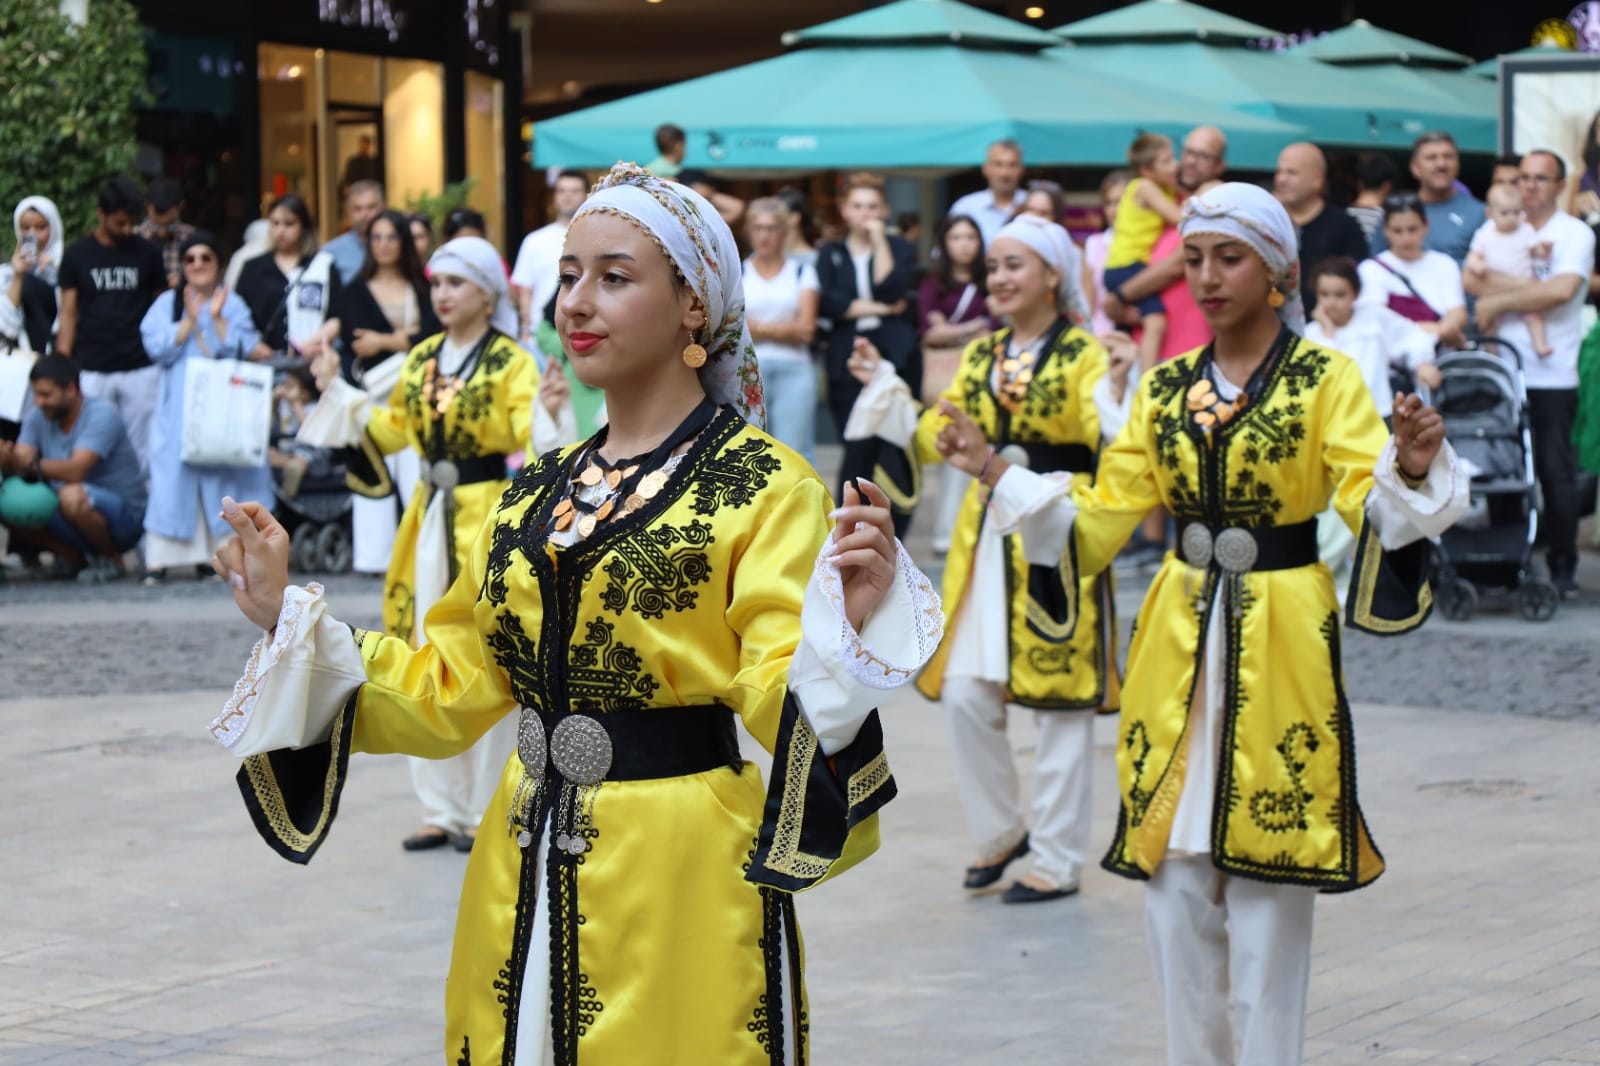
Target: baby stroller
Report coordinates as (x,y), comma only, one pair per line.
(1485,407)
(317,513)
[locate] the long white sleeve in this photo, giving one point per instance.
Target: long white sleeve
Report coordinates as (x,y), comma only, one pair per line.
(1039,507)
(1401,514)
(1113,412)
(339,419)
(884,409)
(838,675)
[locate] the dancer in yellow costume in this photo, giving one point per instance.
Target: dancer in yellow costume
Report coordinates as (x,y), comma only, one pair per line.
(464,402)
(1011,635)
(631,597)
(1236,762)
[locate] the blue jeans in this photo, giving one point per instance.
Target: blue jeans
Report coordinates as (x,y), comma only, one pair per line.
(791,391)
(124,523)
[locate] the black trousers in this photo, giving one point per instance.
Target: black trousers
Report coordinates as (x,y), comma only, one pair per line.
(1551,413)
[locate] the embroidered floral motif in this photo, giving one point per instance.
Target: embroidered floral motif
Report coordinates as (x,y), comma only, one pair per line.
(766,1021)
(465,1058)
(606,675)
(518,655)
(733,478)
(400,614)
(1139,797)
(1283,810)
(658,569)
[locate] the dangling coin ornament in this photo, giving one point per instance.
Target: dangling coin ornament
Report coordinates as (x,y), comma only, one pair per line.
(694,356)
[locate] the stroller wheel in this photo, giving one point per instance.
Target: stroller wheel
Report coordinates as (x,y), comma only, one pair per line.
(303,548)
(1537,599)
(1456,599)
(333,549)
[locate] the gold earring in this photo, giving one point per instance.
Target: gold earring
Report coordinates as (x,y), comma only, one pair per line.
(1274,299)
(694,356)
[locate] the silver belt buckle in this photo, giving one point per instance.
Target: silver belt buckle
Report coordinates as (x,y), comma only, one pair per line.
(1197,545)
(1236,550)
(532,748)
(443,474)
(581,749)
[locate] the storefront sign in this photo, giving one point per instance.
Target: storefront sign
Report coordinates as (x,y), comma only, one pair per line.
(381,16)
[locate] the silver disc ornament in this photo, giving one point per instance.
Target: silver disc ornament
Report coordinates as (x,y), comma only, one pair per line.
(532,748)
(1197,545)
(445,475)
(1236,551)
(581,749)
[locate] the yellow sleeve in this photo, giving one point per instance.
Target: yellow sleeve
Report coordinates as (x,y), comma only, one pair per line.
(1123,492)
(1093,363)
(386,425)
(437,700)
(521,386)
(1353,435)
(821,813)
(923,449)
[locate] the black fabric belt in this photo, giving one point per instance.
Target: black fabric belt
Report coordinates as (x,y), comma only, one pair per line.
(658,742)
(1277,547)
(473,471)
(1072,458)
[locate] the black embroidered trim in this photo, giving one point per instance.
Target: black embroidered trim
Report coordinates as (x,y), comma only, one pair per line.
(508,985)
(734,478)
(605,674)
(651,574)
(562,888)
(797,982)
(766,1022)
(292,795)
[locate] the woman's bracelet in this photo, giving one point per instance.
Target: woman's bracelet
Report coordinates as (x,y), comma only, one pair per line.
(1409,481)
(984,473)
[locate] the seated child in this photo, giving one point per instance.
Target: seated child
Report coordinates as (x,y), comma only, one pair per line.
(1505,243)
(1148,206)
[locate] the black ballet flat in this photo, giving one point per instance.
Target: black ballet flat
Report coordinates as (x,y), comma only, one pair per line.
(1025,893)
(426,839)
(984,876)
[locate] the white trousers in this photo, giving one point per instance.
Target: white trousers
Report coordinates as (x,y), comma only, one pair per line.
(456,791)
(374,522)
(952,490)
(135,394)
(986,778)
(1217,939)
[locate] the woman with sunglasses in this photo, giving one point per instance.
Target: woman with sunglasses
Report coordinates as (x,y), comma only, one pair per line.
(1412,280)
(198,320)
(1236,757)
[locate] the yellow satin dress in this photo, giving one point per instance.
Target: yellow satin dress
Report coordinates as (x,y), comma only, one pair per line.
(1285,806)
(1063,648)
(492,415)
(673,937)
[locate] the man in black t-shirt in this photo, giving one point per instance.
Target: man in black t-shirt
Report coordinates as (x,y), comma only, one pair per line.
(108,280)
(1325,231)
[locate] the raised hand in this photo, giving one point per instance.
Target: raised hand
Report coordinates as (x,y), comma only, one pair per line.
(864,360)
(255,561)
(864,550)
(553,388)
(961,441)
(1418,435)
(326,368)
(218,298)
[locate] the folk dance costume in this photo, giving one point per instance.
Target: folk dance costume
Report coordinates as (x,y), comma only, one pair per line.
(629,897)
(1009,635)
(1236,761)
(462,412)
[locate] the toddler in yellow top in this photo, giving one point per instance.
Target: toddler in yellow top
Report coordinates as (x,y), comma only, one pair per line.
(1148,206)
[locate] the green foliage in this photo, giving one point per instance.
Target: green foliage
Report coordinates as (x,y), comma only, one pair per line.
(67,95)
(453,196)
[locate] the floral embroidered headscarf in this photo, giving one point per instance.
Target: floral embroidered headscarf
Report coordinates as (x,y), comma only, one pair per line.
(1251,214)
(699,244)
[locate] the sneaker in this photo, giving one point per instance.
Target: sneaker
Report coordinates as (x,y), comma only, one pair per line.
(99,571)
(1566,586)
(154,579)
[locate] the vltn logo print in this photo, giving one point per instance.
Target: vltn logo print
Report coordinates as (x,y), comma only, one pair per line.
(115,279)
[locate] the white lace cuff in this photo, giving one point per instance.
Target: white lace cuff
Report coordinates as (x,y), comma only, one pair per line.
(1114,413)
(1039,507)
(1401,514)
(552,433)
(296,682)
(884,409)
(838,675)
(339,418)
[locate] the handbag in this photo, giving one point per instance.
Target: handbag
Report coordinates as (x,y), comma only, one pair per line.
(14,385)
(940,361)
(1411,306)
(227,413)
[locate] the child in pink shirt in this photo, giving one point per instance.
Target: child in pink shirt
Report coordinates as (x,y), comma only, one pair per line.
(1508,244)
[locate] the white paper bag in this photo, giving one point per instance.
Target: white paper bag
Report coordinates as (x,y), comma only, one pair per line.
(14,386)
(227,412)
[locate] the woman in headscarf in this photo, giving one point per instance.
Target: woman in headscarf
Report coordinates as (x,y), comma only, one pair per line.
(463,404)
(28,297)
(1008,639)
(1236,762)
(200,319)
(630,598)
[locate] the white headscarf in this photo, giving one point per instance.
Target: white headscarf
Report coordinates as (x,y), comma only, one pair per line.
(57,239)
(1055,247)
(476,260)
(1251,214)
(701,247)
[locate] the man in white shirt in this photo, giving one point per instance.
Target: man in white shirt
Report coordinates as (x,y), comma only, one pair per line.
(1558,290)
(993,207)
(534,275)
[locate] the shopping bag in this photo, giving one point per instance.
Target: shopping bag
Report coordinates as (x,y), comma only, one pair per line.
(227,412)
(14,386)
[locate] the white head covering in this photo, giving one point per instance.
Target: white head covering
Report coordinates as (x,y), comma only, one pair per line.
(1251,214)
(1055,247)
(476,260)
(57,238)
(702,248)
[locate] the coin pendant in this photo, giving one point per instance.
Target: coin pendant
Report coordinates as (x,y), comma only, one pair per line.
(586,525)
(605,510)
(1198,391)
(563,842)
(591,475)
(564,522)
(524,838)
(613,479)
(564,507)
(632,470)
(632,503)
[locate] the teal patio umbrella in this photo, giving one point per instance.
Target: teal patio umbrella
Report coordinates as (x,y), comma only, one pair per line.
(1490,68)
(1175,44)
(919,84)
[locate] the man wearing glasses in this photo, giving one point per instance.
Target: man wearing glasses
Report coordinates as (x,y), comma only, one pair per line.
(1558,291)
(1454,214)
